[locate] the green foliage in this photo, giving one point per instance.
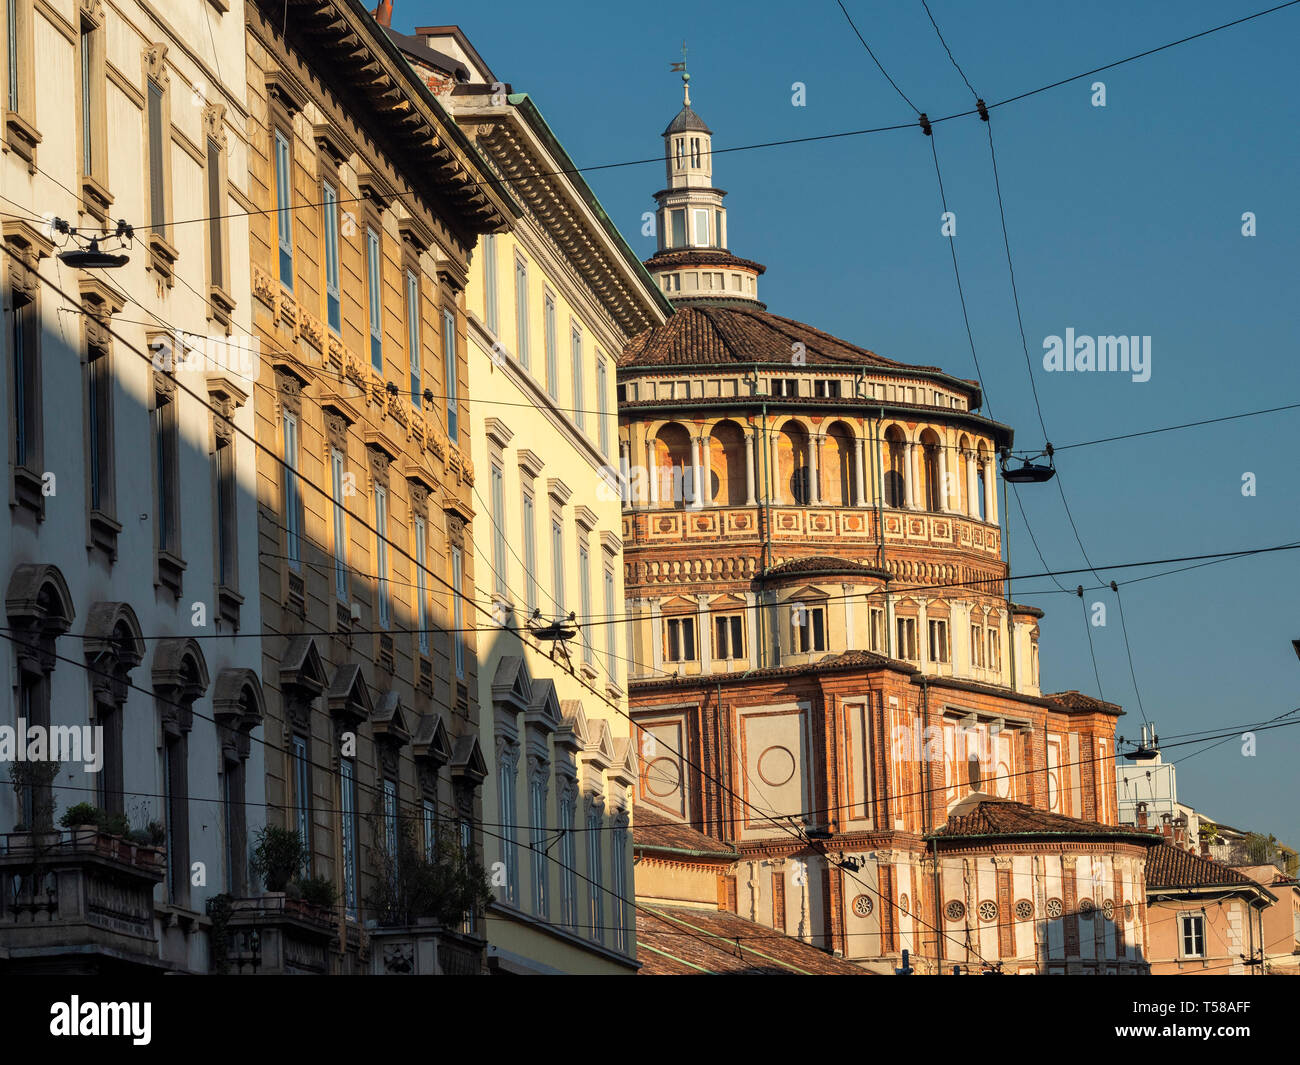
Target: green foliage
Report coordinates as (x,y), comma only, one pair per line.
(1260,849)
(36,776)
(219,909)
(82,813)
(116,825)
(278,855)
(318,890)
(411,886)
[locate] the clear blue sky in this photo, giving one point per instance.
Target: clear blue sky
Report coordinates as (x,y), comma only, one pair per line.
(1122,220)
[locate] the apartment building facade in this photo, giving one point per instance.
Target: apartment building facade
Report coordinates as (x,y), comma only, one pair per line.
(371,201)
(131,566)
(551,302)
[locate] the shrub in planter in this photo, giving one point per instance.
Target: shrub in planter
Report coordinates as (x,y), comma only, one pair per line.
(278,854)
(82,813)
(116,825)
(317,890)
(157,833)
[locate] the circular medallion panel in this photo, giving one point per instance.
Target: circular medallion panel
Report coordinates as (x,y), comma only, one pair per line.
(955,910)
(1108,908)
(776,766)
(903,903)
(1055,907)
(1024,909)
(988,910)
(862,906)
(663,777)
(1087,908)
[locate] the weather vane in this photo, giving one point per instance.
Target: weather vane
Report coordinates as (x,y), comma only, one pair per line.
(686,78)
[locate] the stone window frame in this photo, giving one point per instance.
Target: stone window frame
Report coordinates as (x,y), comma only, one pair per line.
(376,198)
(284,99)
(180,679)
(91,23)
(530,468)
(20,133)
(225,398)
(221,304)
(379,466)
(169,560)
(499,436)
(332,153)
(99,303)
(113,646)
(163,253)
(236,716)
(419,495)
(26,247)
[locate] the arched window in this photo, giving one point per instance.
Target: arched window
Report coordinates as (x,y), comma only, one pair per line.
(672,464)
(837,469)
(931,480)
(792,464)
(726,477)
(981,470)
(113,647)
(895,473)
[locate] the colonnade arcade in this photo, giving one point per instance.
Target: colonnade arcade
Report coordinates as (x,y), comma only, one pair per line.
(802,462)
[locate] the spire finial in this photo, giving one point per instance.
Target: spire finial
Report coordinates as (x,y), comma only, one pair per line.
(686,78)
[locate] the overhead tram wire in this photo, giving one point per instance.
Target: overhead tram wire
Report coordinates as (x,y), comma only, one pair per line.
(658,159)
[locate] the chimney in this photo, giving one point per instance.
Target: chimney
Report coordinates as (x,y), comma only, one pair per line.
(1205,846)
(1180,832)
(1142,816)
(1166,829)
(383,14)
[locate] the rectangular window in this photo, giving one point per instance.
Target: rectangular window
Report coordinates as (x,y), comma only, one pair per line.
(458,611)
(11,30)
(568,865)
(729,637)
(679,639)
(348,812)
(876,627)
(333,309)
(977,646)
(620,890)
(602,403)
(166,506)
(158,141)
(611,665)
(292,494)
(422,585)
(530,551)
(429,820)
(906,638)
(227,515)
(284,216)
(216,217)
(498,498)
(302,796)
(381,554)
(449,363)
(467,849)
(584,593)
(938,640)
(579,415)
(810,630)
(700,223)
(521,312)
(1192,930)
(338,482)
(27,385)
(995,648)
(236,827)
(490,281)
(89,89)
(537,819)
(717,229)
(99,408)
(413,332)
(557,563)
(552,369)
(176,782)
(376,302)
(677,221)
(695,153)
(509,816)
(594,871)
(827,389)
(390,827)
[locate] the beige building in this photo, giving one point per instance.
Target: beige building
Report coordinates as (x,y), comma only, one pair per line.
(550,305)
(130,553)
(370,202)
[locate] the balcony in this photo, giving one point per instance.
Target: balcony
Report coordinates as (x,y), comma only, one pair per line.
(78,901)
(272,934)
(425,949)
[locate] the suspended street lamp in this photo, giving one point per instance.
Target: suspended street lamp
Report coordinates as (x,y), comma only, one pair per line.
(1030,471)
(91,256)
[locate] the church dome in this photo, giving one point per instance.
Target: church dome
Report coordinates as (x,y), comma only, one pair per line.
(687,121)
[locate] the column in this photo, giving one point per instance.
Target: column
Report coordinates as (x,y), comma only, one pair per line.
(749,469)
(943,478)
(993,490)
(860,477)
(883,473)
(751,637)
(652,471)
(814,445)
(704,474)
(625,469)
(696,488)
(656,641)
(909,475)
(704,634)
(972,486)
(988,490)
(849,642)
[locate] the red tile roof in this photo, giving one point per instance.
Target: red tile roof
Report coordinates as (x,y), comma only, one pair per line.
(1073,700)
(743,335)
(998,817)
(823,564)
(1172,867)
(678,941)
(653,831)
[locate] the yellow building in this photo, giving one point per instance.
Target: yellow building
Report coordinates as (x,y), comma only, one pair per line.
(550,305)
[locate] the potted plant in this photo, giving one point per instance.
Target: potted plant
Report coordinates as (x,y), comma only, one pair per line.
(85,820)
(34,779)
(317,891)
(278,854)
